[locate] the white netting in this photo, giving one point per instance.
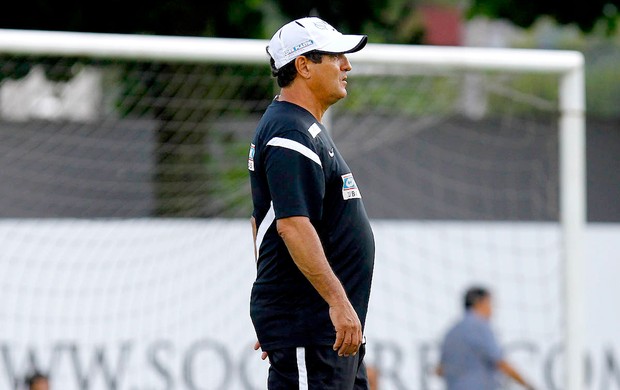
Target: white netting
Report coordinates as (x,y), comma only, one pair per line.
(463,197)
(124,262)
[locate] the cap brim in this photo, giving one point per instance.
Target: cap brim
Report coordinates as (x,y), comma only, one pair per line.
(345,44)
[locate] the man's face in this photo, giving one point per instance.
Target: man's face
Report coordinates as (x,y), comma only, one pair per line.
(328,79)
(40,384)
(485,307)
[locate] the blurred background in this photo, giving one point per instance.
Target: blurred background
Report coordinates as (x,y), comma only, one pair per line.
(125,255)
(590,28)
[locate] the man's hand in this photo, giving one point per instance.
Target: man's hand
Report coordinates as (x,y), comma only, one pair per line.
(348,329)
(263,355)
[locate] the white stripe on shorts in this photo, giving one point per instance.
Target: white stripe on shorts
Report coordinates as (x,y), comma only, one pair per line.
(302,369)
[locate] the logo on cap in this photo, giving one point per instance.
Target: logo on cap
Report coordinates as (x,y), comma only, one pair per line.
(321,25)
(298,47)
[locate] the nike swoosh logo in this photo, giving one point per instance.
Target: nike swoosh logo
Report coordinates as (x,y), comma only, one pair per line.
(331,152)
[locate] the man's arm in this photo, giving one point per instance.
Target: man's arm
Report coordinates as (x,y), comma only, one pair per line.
(485,343)
(253,223)
(509,371)
(305,248)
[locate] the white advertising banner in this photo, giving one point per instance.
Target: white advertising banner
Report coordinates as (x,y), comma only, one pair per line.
(164,304)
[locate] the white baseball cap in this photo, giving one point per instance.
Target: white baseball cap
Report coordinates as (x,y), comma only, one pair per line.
(306,34)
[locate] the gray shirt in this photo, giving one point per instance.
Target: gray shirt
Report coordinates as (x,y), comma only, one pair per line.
(469,355)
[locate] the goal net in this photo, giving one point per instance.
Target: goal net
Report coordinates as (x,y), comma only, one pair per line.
(126,255)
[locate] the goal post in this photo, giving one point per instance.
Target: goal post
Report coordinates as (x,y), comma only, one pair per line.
(374,60)
(573,215)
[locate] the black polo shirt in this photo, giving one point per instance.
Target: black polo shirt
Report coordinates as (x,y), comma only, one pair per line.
(296,170)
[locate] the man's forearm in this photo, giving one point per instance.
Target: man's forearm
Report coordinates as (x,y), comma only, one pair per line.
(508,370)
(307,252)
(305,248)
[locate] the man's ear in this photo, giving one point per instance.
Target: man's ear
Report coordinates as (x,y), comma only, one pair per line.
(302,65)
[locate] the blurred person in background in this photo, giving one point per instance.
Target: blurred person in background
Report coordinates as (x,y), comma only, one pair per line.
(37,381)
(471,358)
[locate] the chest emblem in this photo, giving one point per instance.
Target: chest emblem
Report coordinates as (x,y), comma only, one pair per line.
(349,187)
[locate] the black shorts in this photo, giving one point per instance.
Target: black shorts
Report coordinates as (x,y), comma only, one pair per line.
(316,368)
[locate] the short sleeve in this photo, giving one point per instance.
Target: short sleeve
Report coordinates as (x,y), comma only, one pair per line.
(295,176)
(485,342)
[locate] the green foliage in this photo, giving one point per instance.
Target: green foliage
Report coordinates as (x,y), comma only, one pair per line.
(585,14)
(232,18)
(393,21)
(521,95)
(348,16)
(14,67)
(441,94)
(602,81)
(193,104)
(397,95)
(230,193)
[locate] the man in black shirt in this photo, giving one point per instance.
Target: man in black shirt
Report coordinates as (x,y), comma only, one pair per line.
(314,245)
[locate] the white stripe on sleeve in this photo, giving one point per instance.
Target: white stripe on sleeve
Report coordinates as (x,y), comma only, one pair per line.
(262,229)
(296,146)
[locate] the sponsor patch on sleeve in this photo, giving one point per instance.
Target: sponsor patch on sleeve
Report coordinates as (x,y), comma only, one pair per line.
(349,187)
(251,157)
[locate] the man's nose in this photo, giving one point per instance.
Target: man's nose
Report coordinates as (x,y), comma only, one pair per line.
(345,64)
